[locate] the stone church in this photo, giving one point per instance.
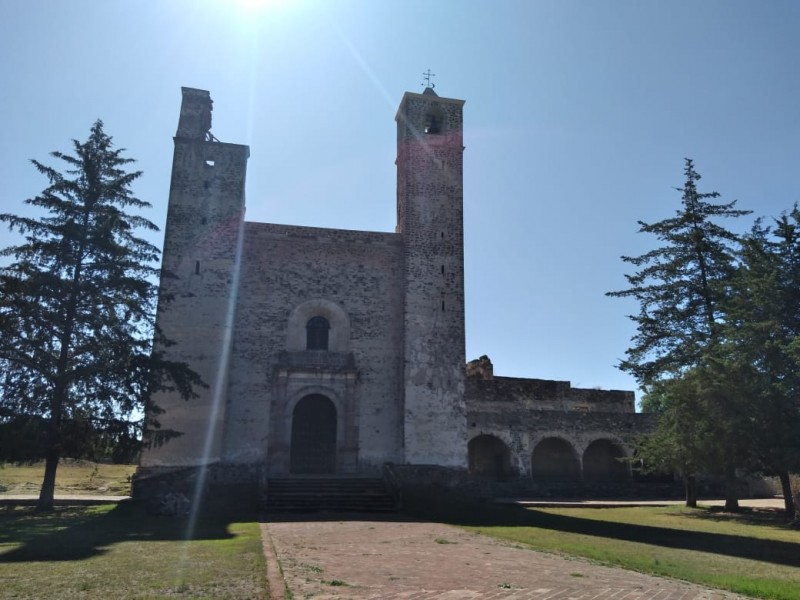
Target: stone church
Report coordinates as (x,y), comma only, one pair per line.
(338,352)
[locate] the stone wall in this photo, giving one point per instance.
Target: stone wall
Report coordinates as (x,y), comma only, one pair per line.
(522,413)
(430,219)
(353,279)
(198,283)
(545,394)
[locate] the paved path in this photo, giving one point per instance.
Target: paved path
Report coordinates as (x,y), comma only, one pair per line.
(392,560)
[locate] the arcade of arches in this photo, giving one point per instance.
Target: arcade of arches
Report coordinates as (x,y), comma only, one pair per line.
(553,459)
(313,451)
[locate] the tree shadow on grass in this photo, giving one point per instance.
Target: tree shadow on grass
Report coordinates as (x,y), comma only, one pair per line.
(765,517)
(492,515)
(77,533)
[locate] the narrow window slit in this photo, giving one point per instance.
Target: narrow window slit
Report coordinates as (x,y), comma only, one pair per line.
(197,267)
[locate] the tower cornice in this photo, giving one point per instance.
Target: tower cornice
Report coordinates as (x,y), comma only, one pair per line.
(430,99)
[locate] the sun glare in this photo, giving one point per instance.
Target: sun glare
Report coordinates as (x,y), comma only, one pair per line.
(249,16)
(251,7)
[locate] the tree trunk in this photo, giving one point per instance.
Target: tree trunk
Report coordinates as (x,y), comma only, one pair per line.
(690,484)
(47,492)
(52,452)
(61,386)
(788,498)
(731,491)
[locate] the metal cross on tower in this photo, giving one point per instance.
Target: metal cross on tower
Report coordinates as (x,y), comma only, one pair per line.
(427,75)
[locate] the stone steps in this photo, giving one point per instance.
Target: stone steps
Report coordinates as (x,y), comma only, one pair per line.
(328,494)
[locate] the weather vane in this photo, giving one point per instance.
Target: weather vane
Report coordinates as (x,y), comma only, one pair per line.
(427,75)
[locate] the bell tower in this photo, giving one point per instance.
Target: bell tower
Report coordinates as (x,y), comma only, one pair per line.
(199,276)
(430,197)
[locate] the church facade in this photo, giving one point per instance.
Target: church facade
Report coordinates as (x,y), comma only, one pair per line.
(337,352)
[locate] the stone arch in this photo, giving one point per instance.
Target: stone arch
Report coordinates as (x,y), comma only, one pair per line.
(602,461)
(313,436)
(339,322)
(554,458)
(489,457)
(288,396)
(316,390)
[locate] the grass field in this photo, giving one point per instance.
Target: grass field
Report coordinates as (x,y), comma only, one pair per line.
(754,553)
(73,477)
(114,551)
(117,551)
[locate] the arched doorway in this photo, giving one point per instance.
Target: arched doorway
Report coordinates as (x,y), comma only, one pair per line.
(313,449)
(489,457)
(554,459)
(602,461)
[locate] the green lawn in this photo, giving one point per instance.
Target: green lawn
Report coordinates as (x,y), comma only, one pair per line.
(755,553)
(117,551)
(114,551)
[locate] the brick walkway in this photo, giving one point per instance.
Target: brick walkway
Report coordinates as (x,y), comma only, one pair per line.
(391,560)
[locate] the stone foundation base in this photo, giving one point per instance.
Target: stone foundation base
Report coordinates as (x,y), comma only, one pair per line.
(409,485)
(221,484)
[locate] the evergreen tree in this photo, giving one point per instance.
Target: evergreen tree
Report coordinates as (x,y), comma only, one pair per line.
(77,304)
(763,339)
(684,440)
(681,287)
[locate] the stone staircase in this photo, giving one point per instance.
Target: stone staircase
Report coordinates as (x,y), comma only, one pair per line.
(328,494)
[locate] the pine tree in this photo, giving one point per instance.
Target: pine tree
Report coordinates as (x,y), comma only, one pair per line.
(684,440)
(681,287)
(77,303)
(763,339)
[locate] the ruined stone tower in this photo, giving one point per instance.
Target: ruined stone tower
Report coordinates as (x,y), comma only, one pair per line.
(430,197)
(201,242)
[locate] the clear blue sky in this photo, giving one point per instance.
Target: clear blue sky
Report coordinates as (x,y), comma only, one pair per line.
(578,117)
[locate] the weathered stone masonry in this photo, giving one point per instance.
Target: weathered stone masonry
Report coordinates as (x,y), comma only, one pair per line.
(336,352)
